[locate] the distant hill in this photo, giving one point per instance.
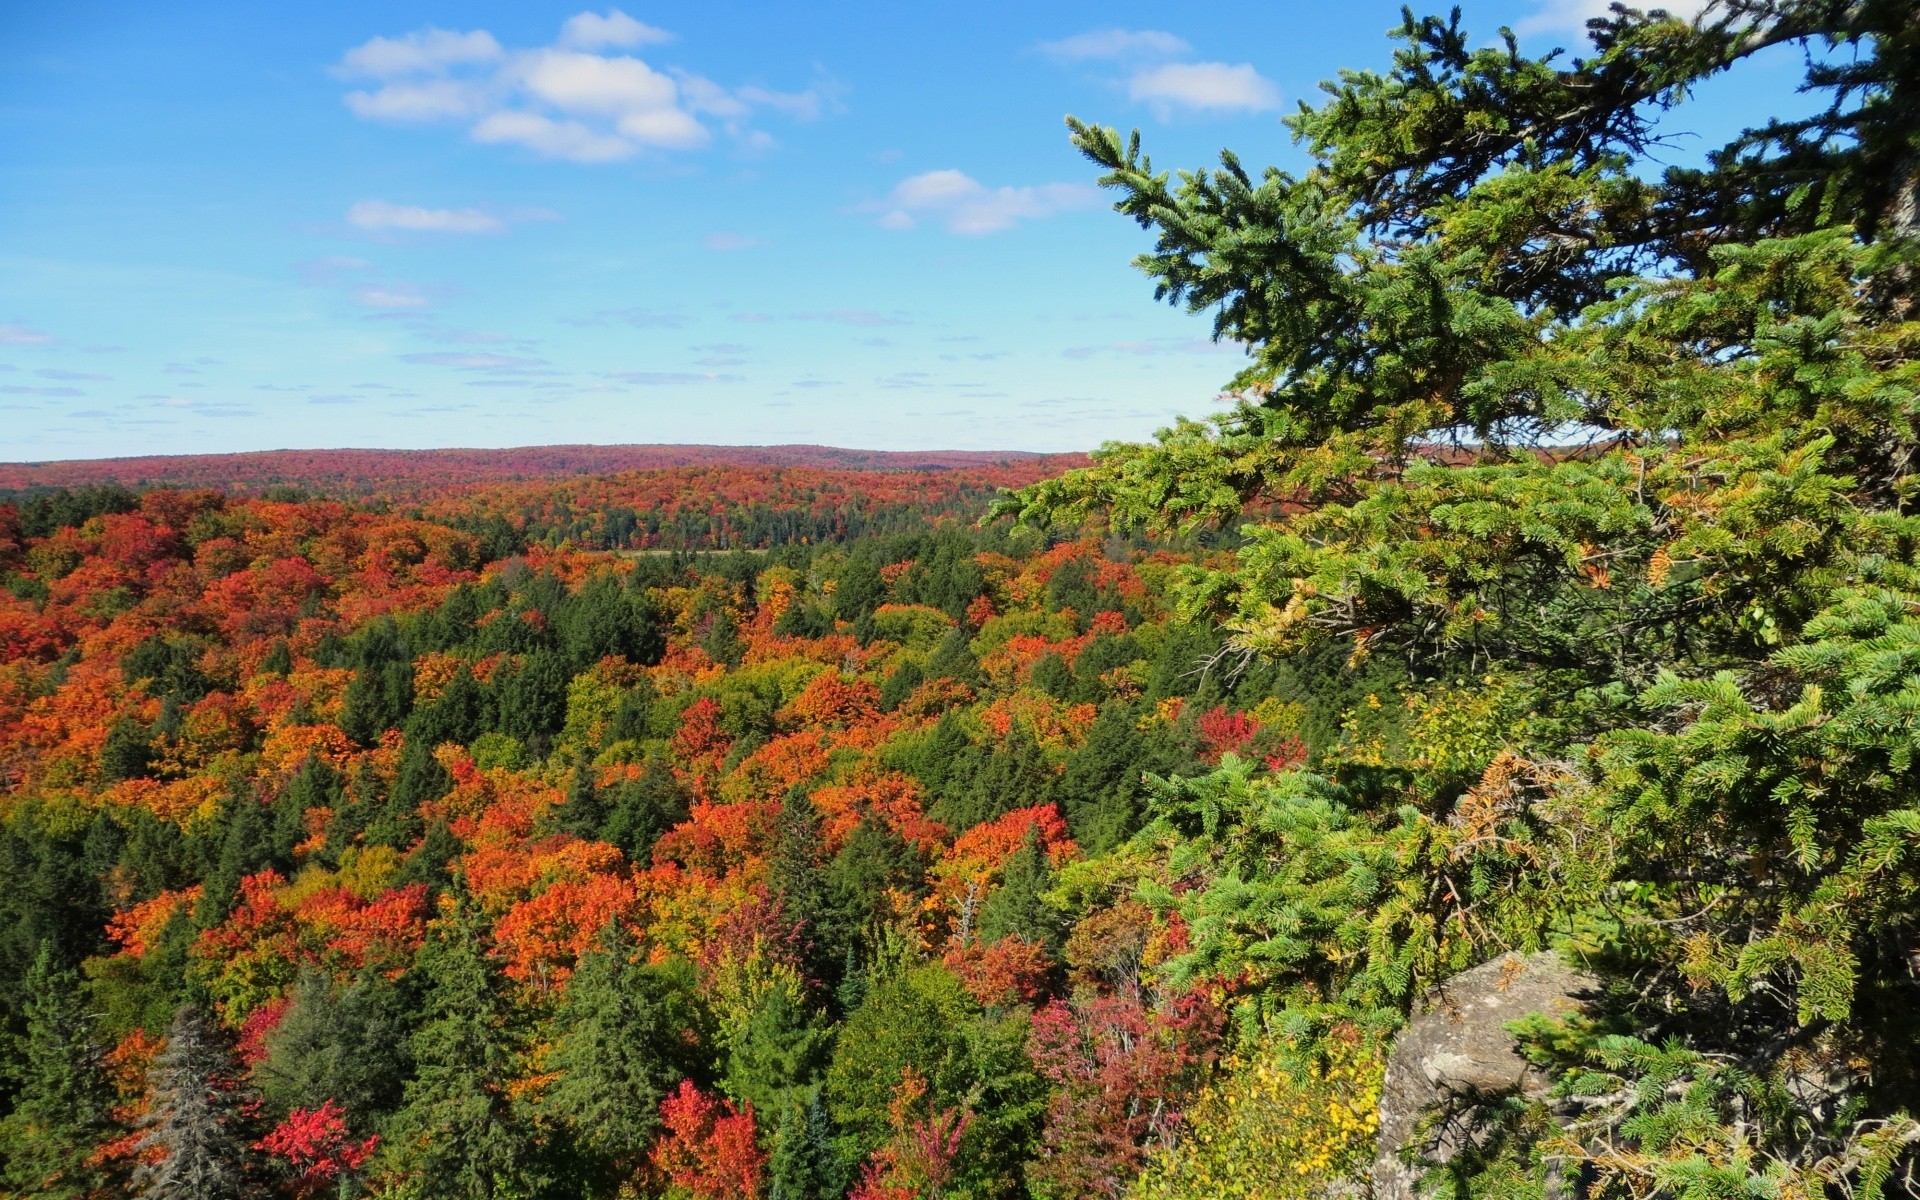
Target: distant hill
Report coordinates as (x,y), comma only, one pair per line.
(390,471)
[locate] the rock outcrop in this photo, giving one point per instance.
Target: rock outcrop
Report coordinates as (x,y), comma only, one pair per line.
(1457,1051)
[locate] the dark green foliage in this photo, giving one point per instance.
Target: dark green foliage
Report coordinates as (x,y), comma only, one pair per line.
(62,1111)
(429,862)
(421,778)
(279,660)
(1102,793)
(722,640)
(617,1023)
(531,699)
(953,659)
(1053,676)
(874,860)
(603,619)
(458,714)
(921,1018)
(341,1041)
(859,590)
(583,812)
(127,753)
(805,1163)
(1017,908)
(1015,774)
(633,719)
(195,1123)
(457,1135)
(640,810)
(168,665)
(248,845)
(899,685)
(44,513)
(782,1048)
(377,700)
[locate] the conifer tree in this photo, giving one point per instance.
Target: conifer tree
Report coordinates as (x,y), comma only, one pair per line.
(613,1057)
(195,1124)
(345,1042)
(458,1134)
(1018,907)
(63,1110)
(642,809)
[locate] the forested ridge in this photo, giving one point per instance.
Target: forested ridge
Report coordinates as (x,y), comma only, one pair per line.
(1547,595)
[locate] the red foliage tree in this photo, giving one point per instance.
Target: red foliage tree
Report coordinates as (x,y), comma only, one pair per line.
(709,1148)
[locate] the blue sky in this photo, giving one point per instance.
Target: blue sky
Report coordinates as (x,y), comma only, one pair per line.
(248,226)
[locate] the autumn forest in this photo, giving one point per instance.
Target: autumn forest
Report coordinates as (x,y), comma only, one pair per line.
(1477,762)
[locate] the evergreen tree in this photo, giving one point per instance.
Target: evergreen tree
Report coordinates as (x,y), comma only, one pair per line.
(457,1135)
(1018,906)
(613,1057)
(797,879)
(805,1164)
(63,1110)
(583,811)
(421,778)
(532,700)
(722,640)
(430,862)
(782,1047)
(195,1124)
(642,809)
(127,752)
(953,658)
(1016,774)
(458,714)
(899,685)
(346,1042)
(873,862)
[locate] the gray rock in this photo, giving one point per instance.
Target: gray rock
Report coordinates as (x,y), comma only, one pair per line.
(1456,1052)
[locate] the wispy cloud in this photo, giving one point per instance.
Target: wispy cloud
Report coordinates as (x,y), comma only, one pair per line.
(670,378)
(576,99)
(380,216)
(964,205)
(1116,43)
(730,241)
(1571,16)
(390,296)
(638,318)
(20,389)
(1162,75)
(1204,86)
(597,31)
(499,364)
(82,376)
(21,335)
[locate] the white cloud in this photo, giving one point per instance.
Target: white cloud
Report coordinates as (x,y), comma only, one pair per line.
(1571,16)
(730,241)
(591,83)
(1116,43)
(669,378)
(389,296)
(433,100)
(593,31)
(574,99)
(502,364)
(1205,85)
(556,139)
(20,335)
(964,205)
(380,215)
(418,53)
